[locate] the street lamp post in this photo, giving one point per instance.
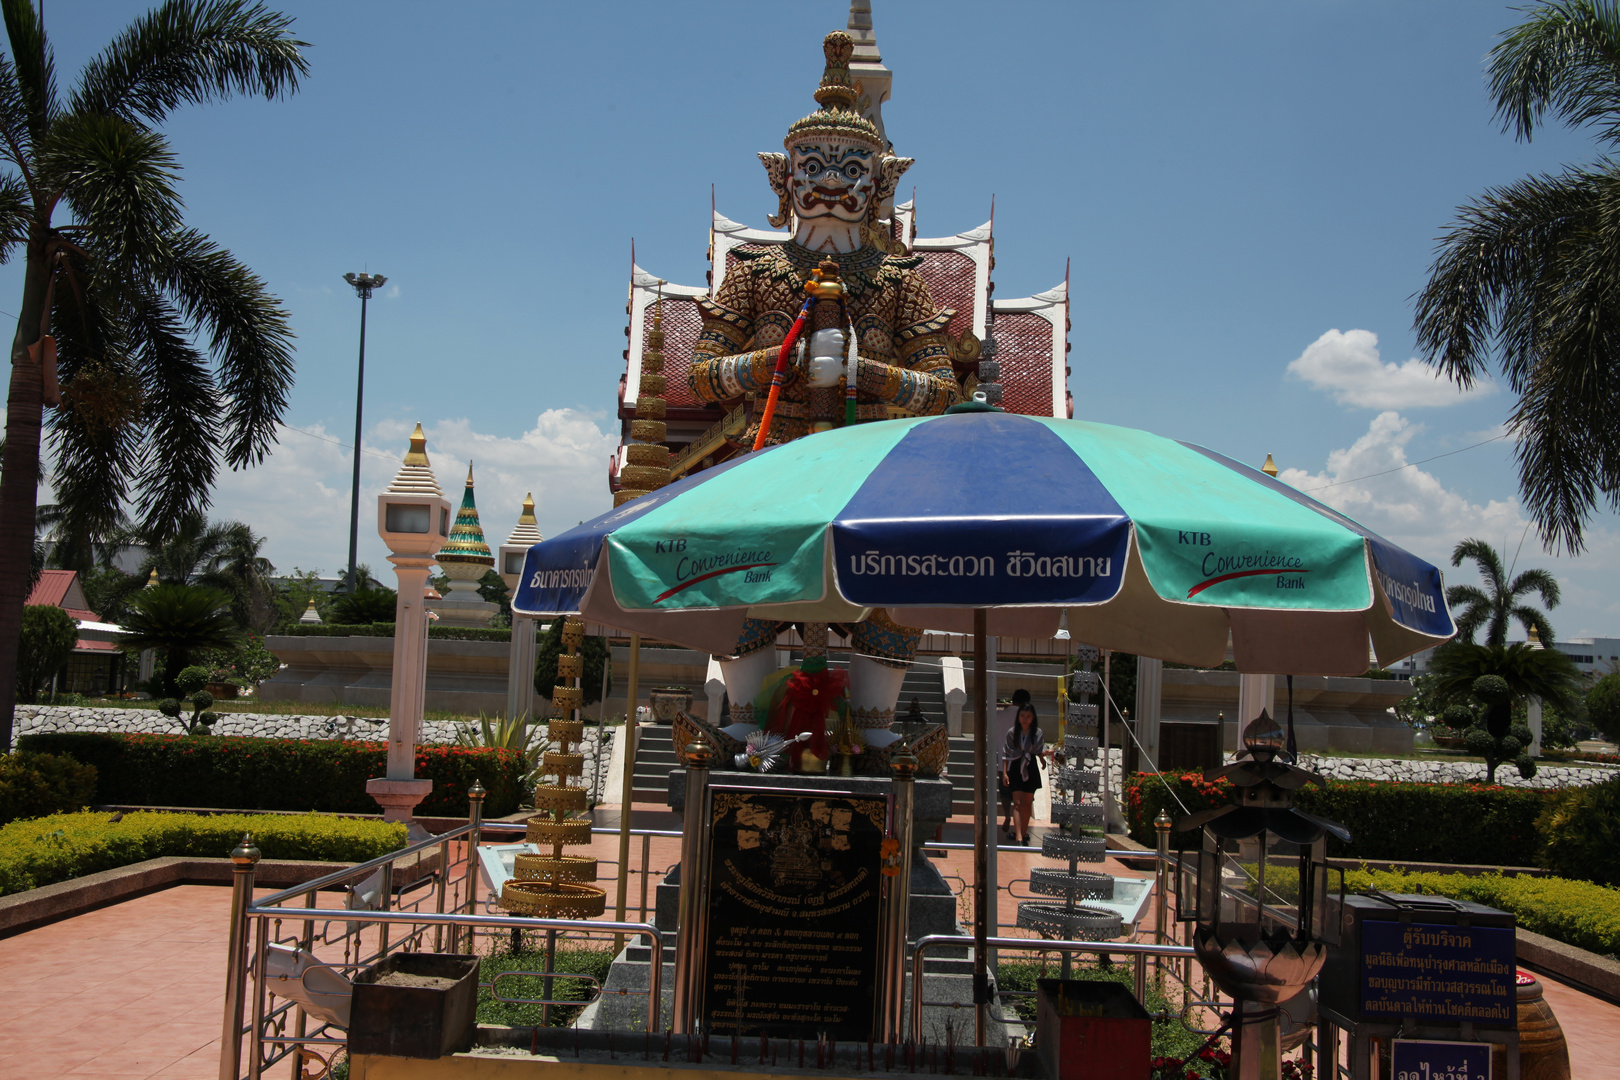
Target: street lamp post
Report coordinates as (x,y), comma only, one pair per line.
(363,284)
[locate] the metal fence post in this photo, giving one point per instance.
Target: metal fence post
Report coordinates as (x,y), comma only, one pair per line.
(697,757)
(475,819)
(244,862)
(897,901)
(1161,878)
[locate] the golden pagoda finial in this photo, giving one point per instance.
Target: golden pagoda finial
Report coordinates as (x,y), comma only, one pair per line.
(527,517)
(152,578)
(469,473)
(1270,467)
(1535,635)
(417,454)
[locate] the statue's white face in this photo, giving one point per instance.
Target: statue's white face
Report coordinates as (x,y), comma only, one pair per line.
(831,178)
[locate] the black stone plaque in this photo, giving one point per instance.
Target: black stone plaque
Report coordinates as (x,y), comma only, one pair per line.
(791,946)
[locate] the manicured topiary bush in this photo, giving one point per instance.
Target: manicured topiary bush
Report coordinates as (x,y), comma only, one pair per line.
(1443,823)
(239,773)
(45,850)
(33,785)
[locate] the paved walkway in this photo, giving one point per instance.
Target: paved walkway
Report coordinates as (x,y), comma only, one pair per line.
(135,991)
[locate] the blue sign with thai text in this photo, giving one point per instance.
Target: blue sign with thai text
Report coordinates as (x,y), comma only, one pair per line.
(1416,1059)
(1438,974)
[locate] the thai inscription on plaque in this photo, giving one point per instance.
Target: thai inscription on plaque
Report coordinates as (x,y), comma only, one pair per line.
(1438,974)
(791,945)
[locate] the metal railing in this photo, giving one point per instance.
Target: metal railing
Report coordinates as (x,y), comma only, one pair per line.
(428,892)
(1137,951)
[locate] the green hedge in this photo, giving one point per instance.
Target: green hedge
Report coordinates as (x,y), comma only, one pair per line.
(33,785)
(1441,823)
(1580,833)
(1577,913)
(241,773)
(386,629)
(45,850)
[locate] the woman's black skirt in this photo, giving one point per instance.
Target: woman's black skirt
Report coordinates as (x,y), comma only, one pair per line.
(1017,781)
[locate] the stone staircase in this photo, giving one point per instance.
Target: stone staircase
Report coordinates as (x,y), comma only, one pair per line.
(655,749)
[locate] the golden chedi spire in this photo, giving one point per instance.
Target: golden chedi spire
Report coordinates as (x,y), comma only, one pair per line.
(415,476)
(1270,467)
(646,460)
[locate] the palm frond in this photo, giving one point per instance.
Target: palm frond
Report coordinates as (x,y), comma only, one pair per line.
(119,180)
(1529,617)
(1485,557)
(248,334)
(1540,582)
(179,404)
(1487,280)
(16,139)
(16,213)
(187,52)
(35,65)
(1565,58)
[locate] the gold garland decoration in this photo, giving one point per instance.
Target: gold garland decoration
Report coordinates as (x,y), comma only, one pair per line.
(550,886)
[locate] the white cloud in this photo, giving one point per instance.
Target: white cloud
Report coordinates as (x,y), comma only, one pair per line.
(1348,366)
(299,498)
(1371,482)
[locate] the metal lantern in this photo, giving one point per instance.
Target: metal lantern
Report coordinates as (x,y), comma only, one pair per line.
(1259,893)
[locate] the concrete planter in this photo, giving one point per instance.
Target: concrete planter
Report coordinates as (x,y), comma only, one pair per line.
(415,1005)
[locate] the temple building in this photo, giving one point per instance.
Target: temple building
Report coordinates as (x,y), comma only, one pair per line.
(1031,333)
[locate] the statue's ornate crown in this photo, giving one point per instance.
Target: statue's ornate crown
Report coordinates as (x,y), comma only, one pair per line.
(837,118)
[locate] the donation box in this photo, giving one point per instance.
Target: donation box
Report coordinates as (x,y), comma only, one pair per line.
(1091,1031)
(1426,960)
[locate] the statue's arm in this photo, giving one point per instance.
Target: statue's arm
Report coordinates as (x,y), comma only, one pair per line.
(723,368)
(922,380)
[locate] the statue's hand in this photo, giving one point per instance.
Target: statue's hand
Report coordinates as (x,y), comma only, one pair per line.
(826,358)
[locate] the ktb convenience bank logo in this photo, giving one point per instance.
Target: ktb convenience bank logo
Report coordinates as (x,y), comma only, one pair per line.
(1289,570)
(694,566)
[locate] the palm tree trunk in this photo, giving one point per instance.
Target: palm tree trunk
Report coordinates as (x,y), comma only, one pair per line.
(19,482)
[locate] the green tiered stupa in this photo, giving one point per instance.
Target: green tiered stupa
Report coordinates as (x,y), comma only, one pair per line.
(465,558)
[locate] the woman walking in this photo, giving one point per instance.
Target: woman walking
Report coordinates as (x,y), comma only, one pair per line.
(1022,759)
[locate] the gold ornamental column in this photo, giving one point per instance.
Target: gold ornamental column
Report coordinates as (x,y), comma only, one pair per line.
(552,885)
(646,468)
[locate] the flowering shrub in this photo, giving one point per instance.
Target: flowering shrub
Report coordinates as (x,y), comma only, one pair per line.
(1584,755)
(45,850)
(278,774)
(1444,823)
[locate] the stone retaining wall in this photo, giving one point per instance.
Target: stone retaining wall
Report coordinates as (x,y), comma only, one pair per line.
(32,719)
(1454,772)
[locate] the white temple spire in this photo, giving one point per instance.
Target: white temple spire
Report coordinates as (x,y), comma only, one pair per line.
(867,65)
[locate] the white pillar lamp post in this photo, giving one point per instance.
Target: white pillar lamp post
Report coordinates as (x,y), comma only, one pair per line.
(520,670)
(413,519)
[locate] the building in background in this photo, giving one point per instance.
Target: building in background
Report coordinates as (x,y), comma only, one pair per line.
(97,664)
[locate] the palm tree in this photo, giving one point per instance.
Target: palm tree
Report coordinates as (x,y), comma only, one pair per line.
(1527,271)
(222,555)
(123,305)
(1494,608)
(179,620)
(1528,671)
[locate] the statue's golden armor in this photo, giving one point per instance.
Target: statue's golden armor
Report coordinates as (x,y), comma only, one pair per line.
(904,359)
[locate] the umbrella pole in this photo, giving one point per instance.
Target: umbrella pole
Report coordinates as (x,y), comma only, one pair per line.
(981,803)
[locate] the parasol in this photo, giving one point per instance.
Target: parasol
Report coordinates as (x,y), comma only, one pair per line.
(995,523)
(1152,546)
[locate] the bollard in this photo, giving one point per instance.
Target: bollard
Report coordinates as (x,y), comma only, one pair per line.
(244,862)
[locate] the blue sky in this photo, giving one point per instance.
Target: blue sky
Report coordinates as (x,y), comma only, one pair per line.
(1249,194)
